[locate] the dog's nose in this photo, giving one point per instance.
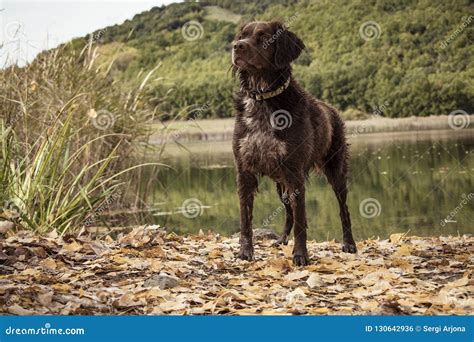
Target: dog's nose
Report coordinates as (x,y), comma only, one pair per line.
(239,45)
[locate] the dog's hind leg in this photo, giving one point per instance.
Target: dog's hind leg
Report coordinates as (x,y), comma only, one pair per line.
(289,216)
(336,173)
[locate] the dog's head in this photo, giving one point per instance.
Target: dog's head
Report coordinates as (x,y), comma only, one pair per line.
(263,46)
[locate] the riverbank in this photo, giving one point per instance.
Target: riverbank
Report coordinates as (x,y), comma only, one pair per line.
(150,271)
(221,129)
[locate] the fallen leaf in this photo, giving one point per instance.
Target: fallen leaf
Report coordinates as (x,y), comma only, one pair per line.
(296,275)
(295,295)
(314,280)
(129,300)
(16,309)
(368,305)
(49,264)
(45,298)
(72,247)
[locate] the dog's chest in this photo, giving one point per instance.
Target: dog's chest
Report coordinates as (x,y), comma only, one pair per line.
(261,151)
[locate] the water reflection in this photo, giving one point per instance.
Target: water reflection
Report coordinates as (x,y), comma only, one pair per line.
(416,180)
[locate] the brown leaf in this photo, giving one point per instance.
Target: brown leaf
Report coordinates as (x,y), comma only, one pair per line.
(129,300)
(45,298)
(16,309)
(49,264)
(72,247)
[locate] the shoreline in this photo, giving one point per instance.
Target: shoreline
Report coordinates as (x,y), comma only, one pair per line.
(222,129)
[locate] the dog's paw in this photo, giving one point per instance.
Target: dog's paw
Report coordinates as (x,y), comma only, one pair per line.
(301,259)
(282,240)
(246,253)
(349,247)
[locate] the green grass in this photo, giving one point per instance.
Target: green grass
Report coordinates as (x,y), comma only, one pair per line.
(69,137)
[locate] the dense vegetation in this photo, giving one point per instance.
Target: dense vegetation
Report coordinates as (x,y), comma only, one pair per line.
(68,136)
(77,119)
(420,63)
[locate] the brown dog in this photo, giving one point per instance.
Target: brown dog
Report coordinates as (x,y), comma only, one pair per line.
(284,133)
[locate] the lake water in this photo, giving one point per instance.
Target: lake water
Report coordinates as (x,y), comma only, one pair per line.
(400,182)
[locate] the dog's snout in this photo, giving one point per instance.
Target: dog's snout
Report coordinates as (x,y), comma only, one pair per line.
(239,45)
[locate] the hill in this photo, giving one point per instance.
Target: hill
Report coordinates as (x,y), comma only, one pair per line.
(392,57)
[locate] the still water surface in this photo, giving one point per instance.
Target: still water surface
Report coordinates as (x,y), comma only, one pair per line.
(399,182)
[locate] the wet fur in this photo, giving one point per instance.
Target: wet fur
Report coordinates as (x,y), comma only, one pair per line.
(315,140)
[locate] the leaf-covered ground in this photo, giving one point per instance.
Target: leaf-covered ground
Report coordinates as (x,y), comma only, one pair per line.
(149,271)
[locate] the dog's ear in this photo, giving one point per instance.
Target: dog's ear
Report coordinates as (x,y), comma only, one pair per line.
(288,46)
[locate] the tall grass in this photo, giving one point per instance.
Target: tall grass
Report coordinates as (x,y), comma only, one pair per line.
(69,135)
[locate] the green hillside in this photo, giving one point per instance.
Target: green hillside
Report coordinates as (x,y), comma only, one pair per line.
(419,63)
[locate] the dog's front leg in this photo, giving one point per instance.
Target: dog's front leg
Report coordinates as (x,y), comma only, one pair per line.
(247,186)
(297,202)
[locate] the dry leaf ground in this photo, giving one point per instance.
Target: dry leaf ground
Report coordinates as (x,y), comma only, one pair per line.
(149,271)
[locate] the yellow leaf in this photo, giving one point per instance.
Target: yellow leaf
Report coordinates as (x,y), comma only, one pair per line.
(48,263)
(62,288)
(396,238)
(321,311)
(403,250)
(119,259)
(129,300)
(215,253)
(72,247)
(279,264)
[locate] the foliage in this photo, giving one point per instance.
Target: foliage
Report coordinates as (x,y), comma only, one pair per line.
(407,67)
(68,135)
(151,272)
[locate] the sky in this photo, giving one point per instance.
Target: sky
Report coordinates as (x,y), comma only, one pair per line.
(30,26)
